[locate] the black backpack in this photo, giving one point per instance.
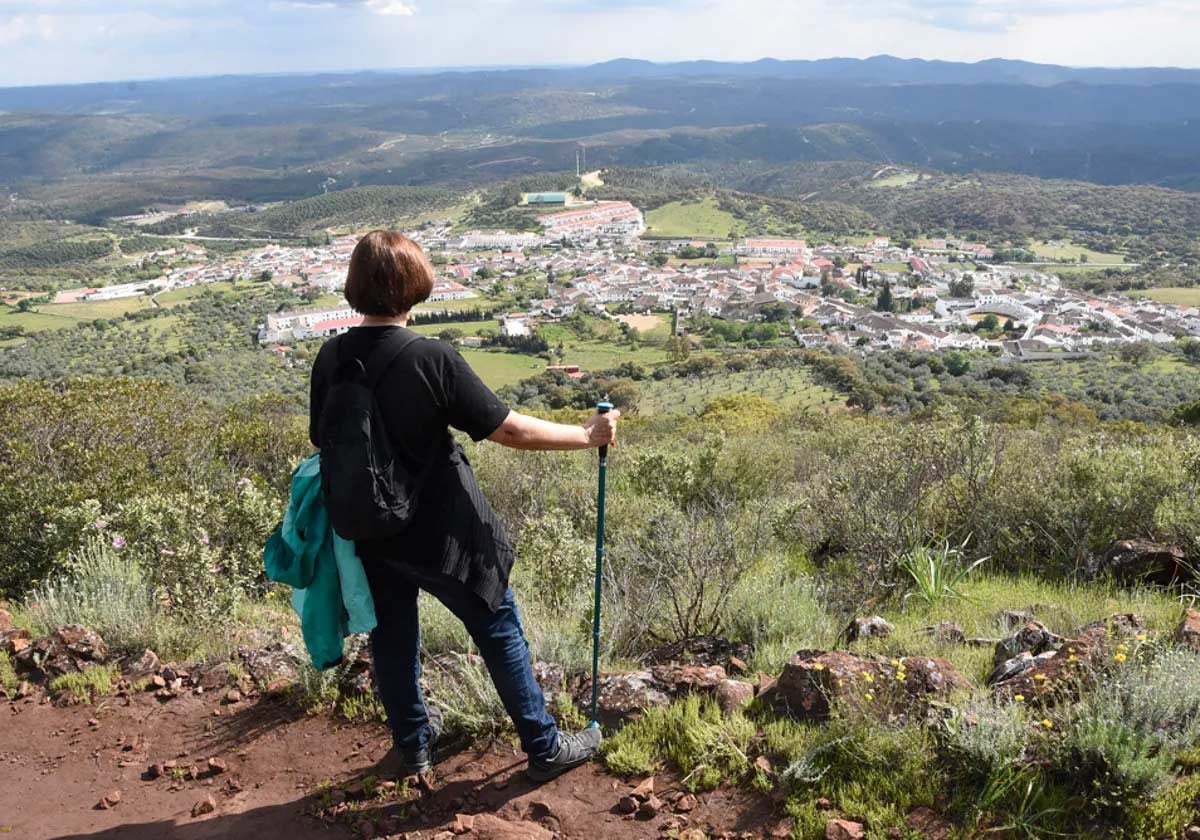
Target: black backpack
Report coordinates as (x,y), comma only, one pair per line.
(368,492)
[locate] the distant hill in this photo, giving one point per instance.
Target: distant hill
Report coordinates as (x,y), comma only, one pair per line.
(90,151)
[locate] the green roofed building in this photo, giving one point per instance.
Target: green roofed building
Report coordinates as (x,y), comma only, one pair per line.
(546,199)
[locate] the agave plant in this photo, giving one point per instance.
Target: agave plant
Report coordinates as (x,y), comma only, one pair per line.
(938,571)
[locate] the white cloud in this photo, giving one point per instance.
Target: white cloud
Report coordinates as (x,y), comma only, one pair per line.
(392,8)
(21,29)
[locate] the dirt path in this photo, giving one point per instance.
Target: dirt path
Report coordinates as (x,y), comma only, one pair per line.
(283,771)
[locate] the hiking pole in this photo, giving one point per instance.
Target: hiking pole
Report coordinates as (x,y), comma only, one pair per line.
(602,408)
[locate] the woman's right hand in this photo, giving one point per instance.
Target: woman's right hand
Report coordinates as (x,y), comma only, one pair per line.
(602,428)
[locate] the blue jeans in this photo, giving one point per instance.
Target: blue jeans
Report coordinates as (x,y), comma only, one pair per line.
(395,648)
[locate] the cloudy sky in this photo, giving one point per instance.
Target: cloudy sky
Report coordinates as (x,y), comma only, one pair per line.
(48,41)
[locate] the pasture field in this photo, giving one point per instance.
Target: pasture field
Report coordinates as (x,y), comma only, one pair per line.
(1175,295)
(498,369)
(467,327)
(792,389)
(896,179)
(1071,251)
(692,220)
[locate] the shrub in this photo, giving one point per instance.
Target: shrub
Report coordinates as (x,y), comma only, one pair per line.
(84,686)
(693,735)
(937,573)
(106,591)
(8,674)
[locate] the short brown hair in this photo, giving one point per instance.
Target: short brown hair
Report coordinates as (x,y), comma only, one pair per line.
(389,275)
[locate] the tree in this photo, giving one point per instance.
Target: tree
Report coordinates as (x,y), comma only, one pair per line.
(25,305)
(989,323)
(450,334)
(267,275)
(957,363)
(1135,353)
(885,302)
(962,287)
(678,348)
(660,259)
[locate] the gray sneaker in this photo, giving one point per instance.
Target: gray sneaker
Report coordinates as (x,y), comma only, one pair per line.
(574,749)
(421,762)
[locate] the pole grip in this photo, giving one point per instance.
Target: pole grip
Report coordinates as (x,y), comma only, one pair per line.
(603,407)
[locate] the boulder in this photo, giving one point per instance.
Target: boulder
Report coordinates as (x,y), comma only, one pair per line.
(1011,620)
(1188,631)
(810,682)
(928,825)
(14,640)
(947,633)
(275,660)
(733,695)
(682,679)
(699,650)
(491,827)
(551,676)
(1056,673)
(869,628)
(6,621)
(623,695)
(67,650)
(1033,638)
(146,665)
(844,830)
(1144,561)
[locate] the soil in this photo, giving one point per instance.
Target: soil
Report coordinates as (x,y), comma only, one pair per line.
(281,774)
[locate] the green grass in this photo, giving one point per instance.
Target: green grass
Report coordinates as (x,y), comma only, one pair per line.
(500,369)
(692,220)
(1063,607)
(187,295)
(1176,295)
(893,267)
(900,179)
(92,309)
(1070,251)
(466,327)
(8,674)
(86,685)
(456,305)
(33,322)
(792,389)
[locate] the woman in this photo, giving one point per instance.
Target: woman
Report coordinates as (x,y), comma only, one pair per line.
(455,549)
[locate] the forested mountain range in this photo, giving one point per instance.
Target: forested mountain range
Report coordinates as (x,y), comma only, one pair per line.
(117,147)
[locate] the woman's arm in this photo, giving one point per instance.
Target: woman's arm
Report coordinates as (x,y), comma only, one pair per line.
(521,431)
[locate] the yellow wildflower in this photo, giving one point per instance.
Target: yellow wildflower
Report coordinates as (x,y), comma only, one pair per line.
(1072,658)
(1019,698)
(1049,724)
(1141,637)
(1120,657)
(817,666)
(869,696)
(867,676)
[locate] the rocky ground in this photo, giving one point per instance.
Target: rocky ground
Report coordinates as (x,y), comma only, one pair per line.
(185,752)
(134,767)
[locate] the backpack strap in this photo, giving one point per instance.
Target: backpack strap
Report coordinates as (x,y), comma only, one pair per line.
(383,356)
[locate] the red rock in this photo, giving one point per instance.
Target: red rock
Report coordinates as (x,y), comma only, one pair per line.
(929,825)
(625,695)
(763,764)
(737,666)
(463,823)
(233,696)
(627,805)
(686,803)
(1188,632)
(783,828)
(144,666)
(6,621)
(217,766)
(824,804)
(491,827)
(644,790)
(733,695)
(109,800)
(811,679)
(649,809)
(844,830)
(1059,673)
(157,681)
(205,806)
(681,679)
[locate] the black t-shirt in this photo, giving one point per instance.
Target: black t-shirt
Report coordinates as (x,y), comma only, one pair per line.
(425,391)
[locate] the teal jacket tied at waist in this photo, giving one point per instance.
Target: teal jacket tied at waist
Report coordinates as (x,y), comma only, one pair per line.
(331,594)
